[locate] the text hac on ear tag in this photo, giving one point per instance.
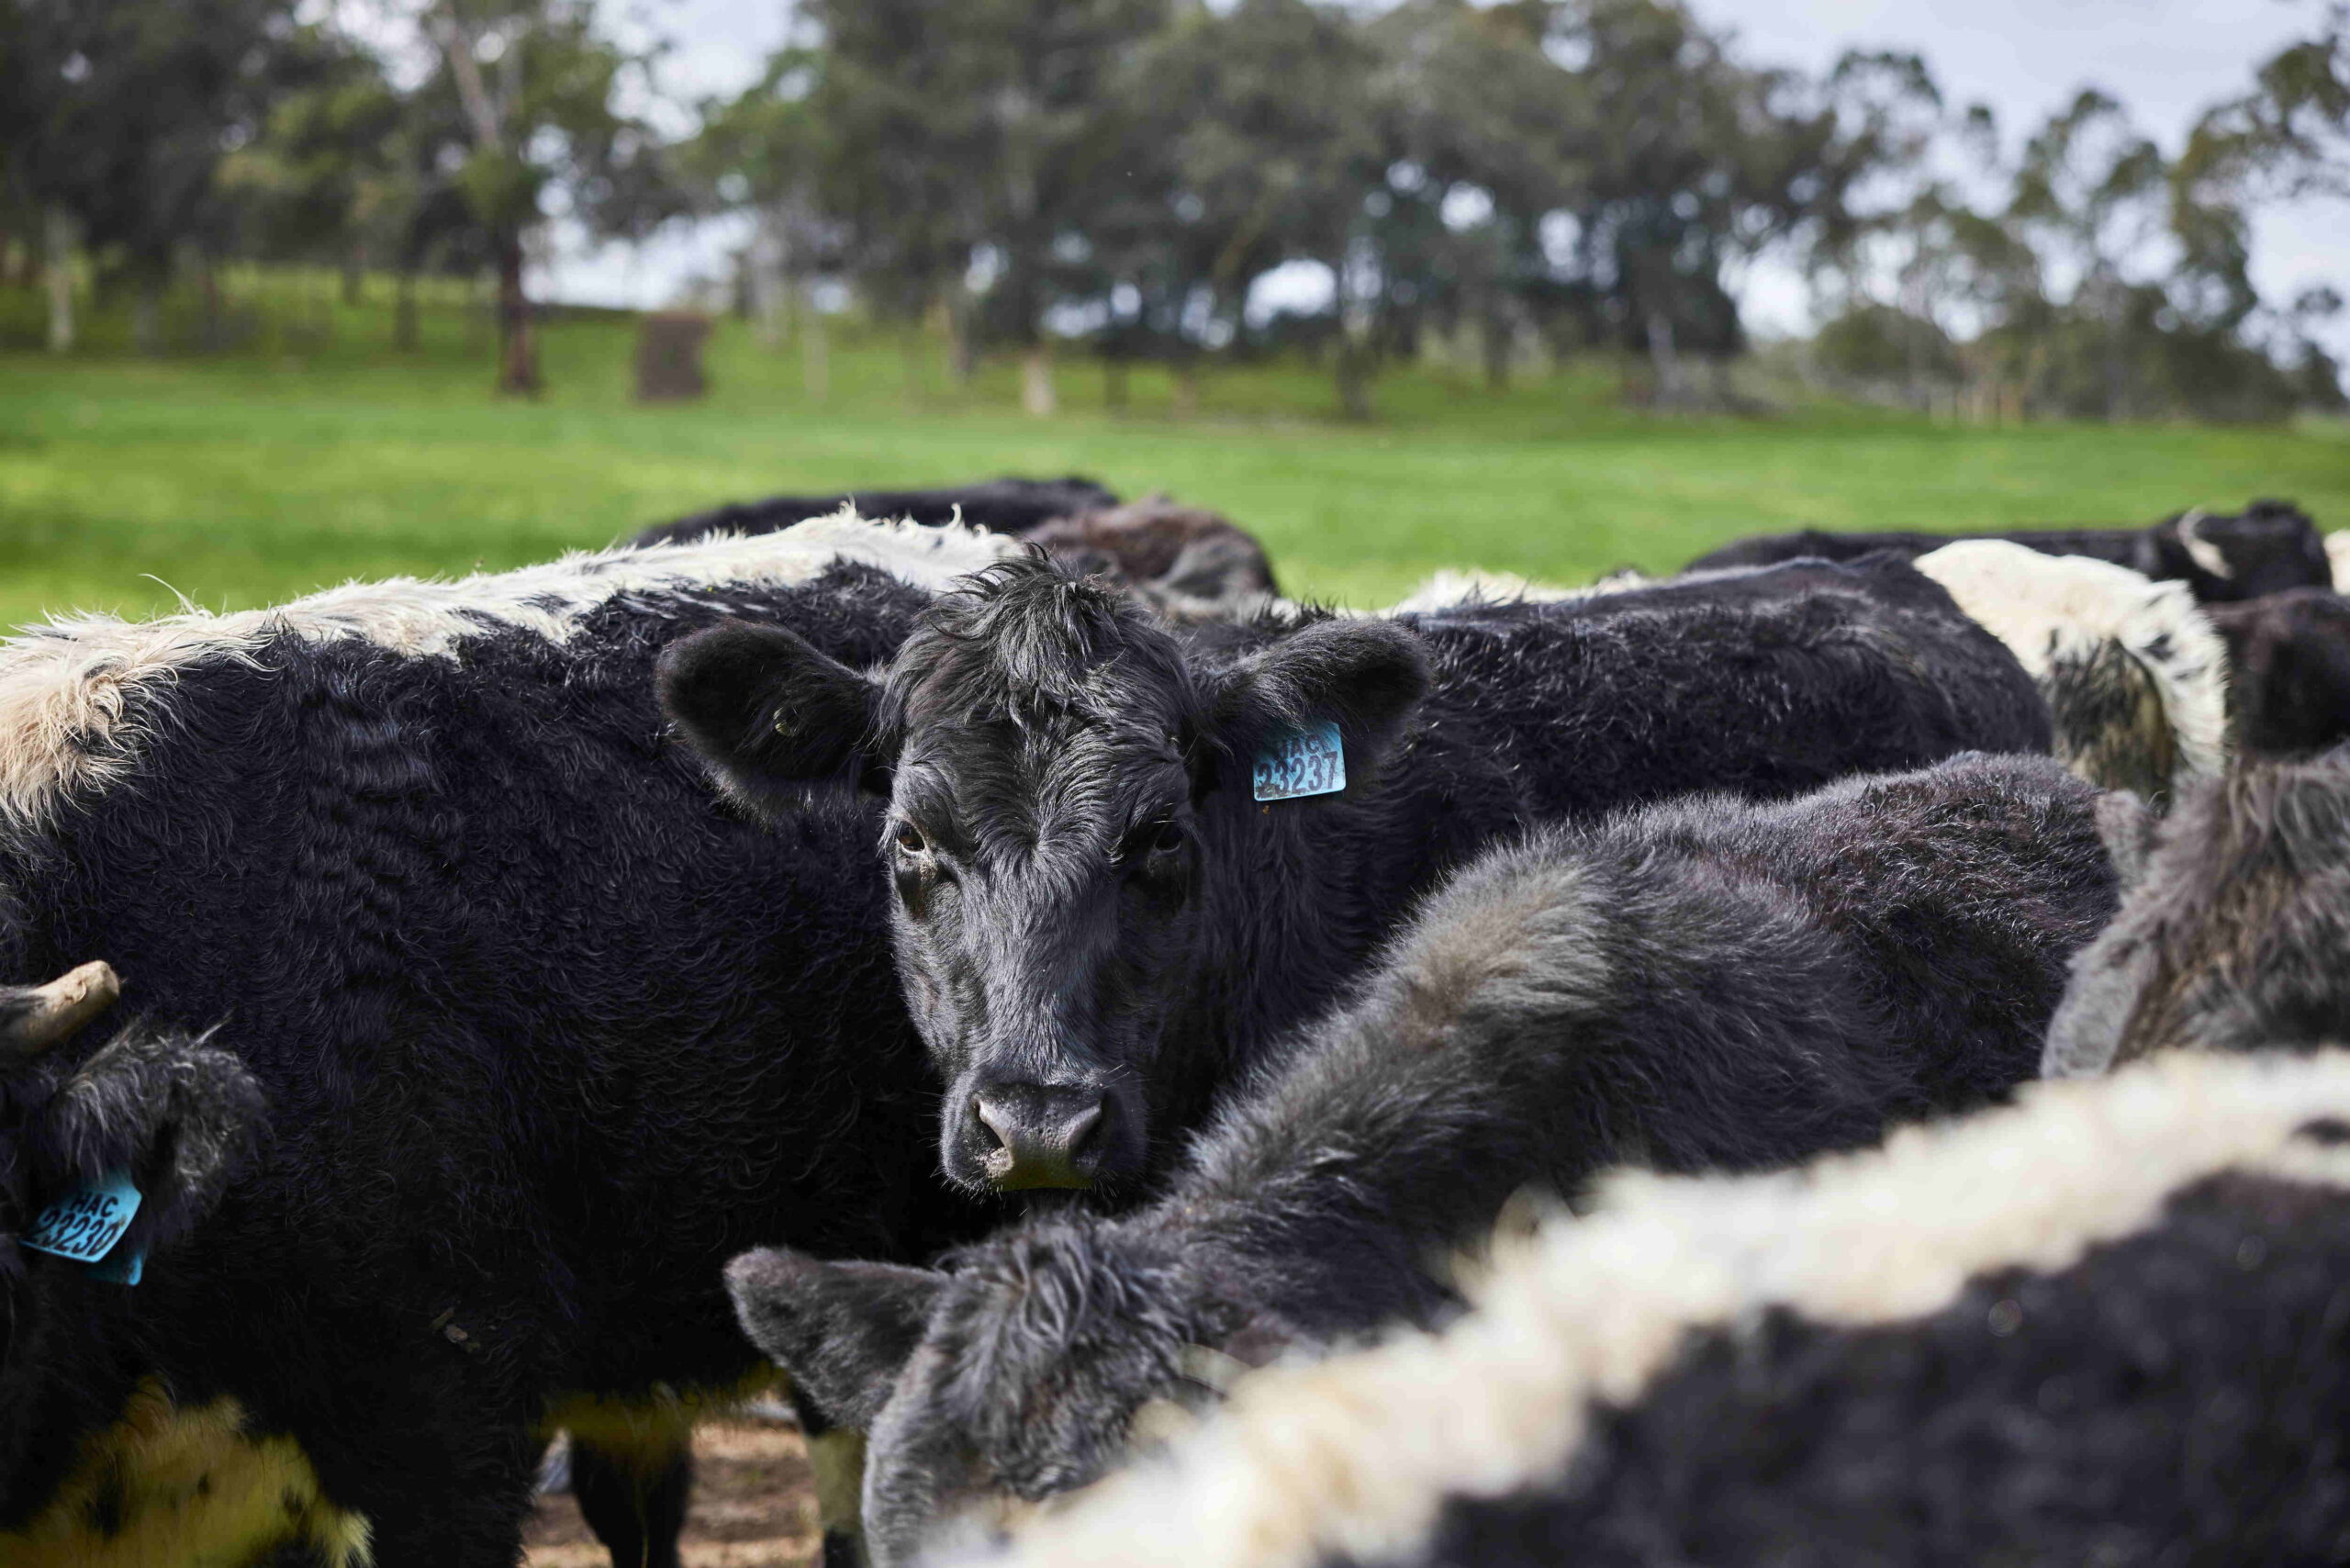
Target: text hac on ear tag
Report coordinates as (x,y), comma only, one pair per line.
(1309,761)
(86,1223)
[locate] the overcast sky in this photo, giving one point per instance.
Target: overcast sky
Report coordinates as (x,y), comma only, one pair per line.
(2166,60)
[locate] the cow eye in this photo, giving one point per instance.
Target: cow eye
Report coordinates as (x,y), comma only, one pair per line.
(907,839)
(1164,839)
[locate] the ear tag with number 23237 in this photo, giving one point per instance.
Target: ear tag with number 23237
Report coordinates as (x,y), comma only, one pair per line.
(86,1223)
(1309,761)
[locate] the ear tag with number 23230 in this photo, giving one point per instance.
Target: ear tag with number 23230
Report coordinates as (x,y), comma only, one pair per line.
(1309,761)
(86,1223)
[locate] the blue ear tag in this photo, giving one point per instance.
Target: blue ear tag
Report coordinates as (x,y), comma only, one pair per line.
(1303,762)
(86,1223)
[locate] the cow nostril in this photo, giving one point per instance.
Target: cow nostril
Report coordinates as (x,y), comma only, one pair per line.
(1082,1135)
(992,1132)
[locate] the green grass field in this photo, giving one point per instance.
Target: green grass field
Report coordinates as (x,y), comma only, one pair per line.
(248,479)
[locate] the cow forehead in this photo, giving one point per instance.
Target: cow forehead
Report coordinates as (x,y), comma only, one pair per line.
(1071,778)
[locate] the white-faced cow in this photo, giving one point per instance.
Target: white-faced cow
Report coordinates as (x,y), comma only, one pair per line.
(2269,547)
(2103,1325)
(2136,678)
(1707,985)
(547,1030)
(1102,910)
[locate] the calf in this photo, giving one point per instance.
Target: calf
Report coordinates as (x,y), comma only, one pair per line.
(173,1115)
(2136,680)
(548,1032)
(998,505)
(1708,984)
(2269,547)
(2233,932)
(1100,915)
(1187,563)
(2291,657)
(2102,1325)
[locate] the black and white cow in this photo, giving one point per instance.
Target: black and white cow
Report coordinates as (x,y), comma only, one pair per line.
(1707,985)
(2103,1325)
(2235,931)
(2289,679)
(2269,547)
(548,1032)
(2136,678)
(1098,919)
(998,505)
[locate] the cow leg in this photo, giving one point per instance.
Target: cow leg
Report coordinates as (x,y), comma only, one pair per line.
(635,1498)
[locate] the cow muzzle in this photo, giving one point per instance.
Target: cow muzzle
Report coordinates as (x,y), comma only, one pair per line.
(1040,1134)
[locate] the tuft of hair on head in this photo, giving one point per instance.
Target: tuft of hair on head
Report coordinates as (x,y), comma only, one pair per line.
(1027,636)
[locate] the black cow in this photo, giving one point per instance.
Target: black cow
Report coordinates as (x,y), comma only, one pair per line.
(548,1032)
(1097,921)
(2235,930)
(2103,1326)
(998,506)
(2269,547)
(2289,686)
(1707,985)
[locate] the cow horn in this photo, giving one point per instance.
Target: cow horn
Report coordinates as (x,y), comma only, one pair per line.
(33,1018)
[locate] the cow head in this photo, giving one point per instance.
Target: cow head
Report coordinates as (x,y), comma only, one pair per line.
(2233,933)
(1013,1378)
(1068,790)
(2267,548)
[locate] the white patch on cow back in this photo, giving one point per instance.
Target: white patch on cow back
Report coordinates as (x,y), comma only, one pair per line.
(66,686)
(1454,586)
(2337,555)
(170,1484)
(2053,609)
(1358,1454)
(2199,550)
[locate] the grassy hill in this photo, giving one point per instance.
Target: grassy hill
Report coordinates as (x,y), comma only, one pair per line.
(316,455)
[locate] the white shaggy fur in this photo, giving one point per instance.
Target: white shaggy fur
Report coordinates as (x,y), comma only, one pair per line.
(64,686)
(1455,586)
(2337,553)
(1356,1454)
(2053,608)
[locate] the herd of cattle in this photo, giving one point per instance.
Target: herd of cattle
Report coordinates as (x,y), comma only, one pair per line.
(1154,1071)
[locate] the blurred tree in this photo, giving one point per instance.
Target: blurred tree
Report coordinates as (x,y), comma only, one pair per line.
(538,91)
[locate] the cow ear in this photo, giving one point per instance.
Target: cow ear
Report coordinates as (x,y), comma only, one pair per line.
(841,1330)
(1364,675)
(2127,827)
(770,713)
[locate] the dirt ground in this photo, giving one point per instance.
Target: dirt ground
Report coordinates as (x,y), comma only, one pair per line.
(753,1507)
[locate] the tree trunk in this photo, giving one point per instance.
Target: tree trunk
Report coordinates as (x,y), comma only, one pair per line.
(404,310)
(815,350)
(1037,395)
(962,341)
(57,266)
(146,315)
(1671,390)
(1353,366)
(1496,343)
(518,350)
(1187,386)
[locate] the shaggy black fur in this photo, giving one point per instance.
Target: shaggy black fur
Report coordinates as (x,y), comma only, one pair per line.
(2270,547)
(547,1030)
(1709,984)
(2176,1396)
(2289,663)
(182,1116)
(999,506)
(1093,912)
(2236,935)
